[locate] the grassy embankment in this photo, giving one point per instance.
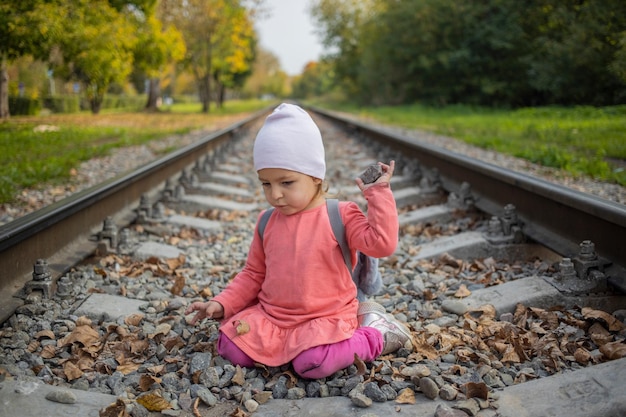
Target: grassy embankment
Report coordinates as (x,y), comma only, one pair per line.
(45,149)
(579,140)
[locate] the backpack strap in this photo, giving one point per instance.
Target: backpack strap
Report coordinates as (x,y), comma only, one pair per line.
(339,230)
(263,221)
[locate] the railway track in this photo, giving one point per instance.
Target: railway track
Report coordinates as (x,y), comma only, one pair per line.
(514,288)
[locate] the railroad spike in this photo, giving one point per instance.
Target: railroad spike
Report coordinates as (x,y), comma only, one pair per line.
(583,274)
(42,281)
(506,229)
(167,195)
(64,287)
(107,238)
(144,211)
(462,199)
(431,182)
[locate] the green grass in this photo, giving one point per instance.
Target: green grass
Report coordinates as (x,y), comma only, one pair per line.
(579,140)
(30,158)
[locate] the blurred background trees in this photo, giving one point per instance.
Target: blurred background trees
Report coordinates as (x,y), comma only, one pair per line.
(497,52)
(71,54)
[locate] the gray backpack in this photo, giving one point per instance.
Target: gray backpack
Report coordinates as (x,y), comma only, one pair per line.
(365,274)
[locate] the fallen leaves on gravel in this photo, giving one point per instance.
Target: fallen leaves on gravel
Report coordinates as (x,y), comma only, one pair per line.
(557,337)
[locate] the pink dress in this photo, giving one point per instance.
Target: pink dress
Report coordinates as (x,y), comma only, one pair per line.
(295,291)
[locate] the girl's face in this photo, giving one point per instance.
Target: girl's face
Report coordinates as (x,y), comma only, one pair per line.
(290,191)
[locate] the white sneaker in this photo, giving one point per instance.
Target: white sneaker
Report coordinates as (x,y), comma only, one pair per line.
(395,333)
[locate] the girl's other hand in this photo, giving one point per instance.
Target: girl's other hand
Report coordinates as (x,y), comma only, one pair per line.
(210,309)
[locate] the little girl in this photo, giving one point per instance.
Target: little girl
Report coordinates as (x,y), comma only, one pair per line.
(295,301)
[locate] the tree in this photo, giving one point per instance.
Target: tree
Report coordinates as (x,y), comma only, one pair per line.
(235,52)
(575,51)
(93,43)
(17,39)
(267,78)
(496,52)
(156,48)
(218,40)
(341,24)
(316,80)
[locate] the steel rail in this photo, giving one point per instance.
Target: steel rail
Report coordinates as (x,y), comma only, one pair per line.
(553,215)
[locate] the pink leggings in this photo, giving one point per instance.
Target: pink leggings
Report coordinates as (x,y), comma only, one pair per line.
(319,361)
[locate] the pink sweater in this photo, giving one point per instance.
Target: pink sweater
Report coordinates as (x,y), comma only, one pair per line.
(295,291)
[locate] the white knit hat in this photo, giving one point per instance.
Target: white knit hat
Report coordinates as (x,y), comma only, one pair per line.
(291,140)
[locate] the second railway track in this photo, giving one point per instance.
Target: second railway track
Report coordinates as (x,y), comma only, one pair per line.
(508,283)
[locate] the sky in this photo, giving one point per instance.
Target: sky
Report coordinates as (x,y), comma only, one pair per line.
(287,32)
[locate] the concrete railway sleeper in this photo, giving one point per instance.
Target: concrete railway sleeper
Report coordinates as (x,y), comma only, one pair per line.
(505,324)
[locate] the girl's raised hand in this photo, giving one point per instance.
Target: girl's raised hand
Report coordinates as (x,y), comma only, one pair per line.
(385,178)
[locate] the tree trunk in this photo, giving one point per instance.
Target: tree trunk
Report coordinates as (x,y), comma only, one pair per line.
(205,92)
(221,95)
(154,92)
(96,104)
(4,89)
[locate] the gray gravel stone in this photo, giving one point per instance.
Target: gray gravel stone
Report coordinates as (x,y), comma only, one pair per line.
(429,388)
(61,396)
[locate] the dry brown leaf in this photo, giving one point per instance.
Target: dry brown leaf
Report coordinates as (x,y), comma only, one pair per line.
(239,378)
(550,319)
(128,367)
(476,390)
(217,269)
(458,369)
(447,259)
(49,334)
(614,350)
(206,293)
(134,319)
(117,409)
(360,365)
(154,402)
(179,284)
(582,356)
(425,349)
(157,369)
(83,334)
(406,396)
(146,381)
(195,410)
(185,272)
(242,327)
(100,271)
(464,355)
(428,294)
(174,263)
(33,346)
(48,352)
(122,332)
(85,362)
(262,397)
(599,334)
(83,321)
(238,413)
(612,322)
(510,355)
(71,371)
